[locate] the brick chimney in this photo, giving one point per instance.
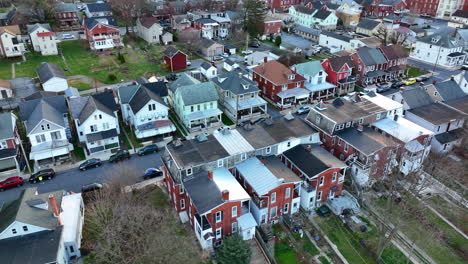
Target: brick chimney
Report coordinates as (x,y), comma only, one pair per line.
(210,174)
(54,206)
(309,148)
(225,195)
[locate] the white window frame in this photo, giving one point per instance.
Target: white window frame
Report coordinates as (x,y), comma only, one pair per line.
(218,217)
(346,147)
(288,193)
(268,150)
(220,163)
(243,156)
(322,180)
(182,204)
(234,211)
(286,208)
(275,212)
(334,176)
(189,171)
(273,197)
(319,196)
(220,231)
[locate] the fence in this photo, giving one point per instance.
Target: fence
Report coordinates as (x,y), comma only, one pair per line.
(266,249)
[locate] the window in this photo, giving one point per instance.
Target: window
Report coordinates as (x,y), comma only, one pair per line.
(93,128)
(219,233)
(319,196)
(273,212)
(13,231)
(81,133)
(191,108)
(48,126)
(348,124)
(42,127)
(40,138)
(234,227)
(361,121)
(378,116)
(286,208)
(3,145)
(321,180)
(339,142)
(234,211)
(334,176)
(198,107)
(182,204)
(218,216)
(289,144)
(288,193)
(72,249)
(273,197)
(346,147)
(438,128)
(181,189)
(268,150)
(243,156)
(189,171)
(25,228)
(220,163)
(100,116)
(105,126)
(55,135)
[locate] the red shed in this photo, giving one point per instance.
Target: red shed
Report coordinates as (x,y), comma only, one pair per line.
(176,59)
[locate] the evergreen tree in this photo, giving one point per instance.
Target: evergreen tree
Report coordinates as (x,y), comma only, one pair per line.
(278,40)
(254,17)
(234,250)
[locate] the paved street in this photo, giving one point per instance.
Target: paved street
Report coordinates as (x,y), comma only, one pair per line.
(441,73)
(73,179)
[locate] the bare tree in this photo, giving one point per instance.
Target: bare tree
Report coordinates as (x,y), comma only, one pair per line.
(40,10)
(398,38)
(128,10)
(382,34)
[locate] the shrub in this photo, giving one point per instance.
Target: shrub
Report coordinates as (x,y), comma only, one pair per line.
(112,77)
(234,250)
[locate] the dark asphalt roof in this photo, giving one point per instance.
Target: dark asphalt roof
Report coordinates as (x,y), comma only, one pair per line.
(205,65)
(305,161)
(137,96)
(450,136)
(416,97)
(205,20)
(39,247)
(102,135)
(105,20)
(460,104)
(368,141)
(40,94)
(170,52)
(337,63)
(98,7)
(82,107)
(368,24)
(235,83)
(5,153)
(443,38)
(371,56)
(336,36)
(47,71)
(50,108)
(437,113)
(204,192)
(449,90)
(394,52)
(322,14)
(461,13)
(304,10)
(66,7)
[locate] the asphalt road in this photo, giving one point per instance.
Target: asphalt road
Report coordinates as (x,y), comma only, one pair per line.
(73,179)
(442,74)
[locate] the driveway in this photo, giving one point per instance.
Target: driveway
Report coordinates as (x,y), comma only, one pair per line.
(73,179)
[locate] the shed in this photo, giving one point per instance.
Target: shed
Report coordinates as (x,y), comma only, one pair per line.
(175,59)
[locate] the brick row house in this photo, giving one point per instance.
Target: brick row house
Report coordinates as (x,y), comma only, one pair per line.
(397,58)
(381,8)
(370,65)
(102,34)
(340,73)
(67,16)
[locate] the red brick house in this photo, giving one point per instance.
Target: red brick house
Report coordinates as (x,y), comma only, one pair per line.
(10,155)
(381,8)
(67,16)
(175,59)
(344,132)
(282,3)
(423,7)
(370,65)
(273,187)
(323,172)
(271,26)
(339,72)
(103,34)
(397,58)
(280,84)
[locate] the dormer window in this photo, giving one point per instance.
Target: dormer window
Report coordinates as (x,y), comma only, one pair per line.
(246,87)
(291,77)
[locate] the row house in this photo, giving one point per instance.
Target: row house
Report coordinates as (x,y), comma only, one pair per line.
(275,190)
(446,8)
(208,28)
(279,84)
(224,28)
(278,4)
(313,18)
(443,48)
(423,7)
(239,97)
(271,27)
(460,16)
(340,73)
(67,16)
(96,121)
(10,155)
(98,9)
(43,39)
(323,174)
(102,34)
(144,108)
(370,65)
(397,58)
(311,34)
(10,42)
(381,8)
(48,130)
(315,81)
(345,133)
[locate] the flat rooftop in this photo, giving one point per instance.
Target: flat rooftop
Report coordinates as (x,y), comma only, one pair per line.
(232,141)
(383,101)
(280,170)
(437,113)
(402,129)
(343,110)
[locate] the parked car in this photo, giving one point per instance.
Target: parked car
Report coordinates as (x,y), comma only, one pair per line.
(120,155)
(303,110)
(91,187)
(422,78)
(397,84)
(383,87)
(464,67)
(11,182)
(147,150)
(67,36)
(255,44)
(46,174)
(409,81)
(217,58)
(323,211)
(152,173)
(247,52)
(224,55)
(91,163)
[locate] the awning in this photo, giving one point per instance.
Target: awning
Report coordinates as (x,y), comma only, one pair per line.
(204,114)
(102,135)
(155,125)
(298,93)
(49,153)
(375,74)
(246,221)
(9,163)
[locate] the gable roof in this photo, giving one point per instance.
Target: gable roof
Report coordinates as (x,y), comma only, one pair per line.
(437,113)
(368,24)
(322,14)
(305,161)
(148,22)
(303,9)
(416,97)
(142,96)
(51,108)
(40,94)
(206,43)
(394,52)
(336,63)
(66,7)
(205,65)
(109,21)
(98,7)
(367,141)
(311,68)
(449,90)
(81,108)
(442,38)
(235,83)
(170,51)
(371,56)
(336,36)
(277,73)
(461,13)
(13,29)
(6,126)
(198,93)
(33,27)
(183,80)
(48,71)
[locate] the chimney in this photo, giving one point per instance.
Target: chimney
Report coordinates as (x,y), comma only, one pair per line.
(210,174)
(225,195)
(360,128)
(55,209)
(309,148)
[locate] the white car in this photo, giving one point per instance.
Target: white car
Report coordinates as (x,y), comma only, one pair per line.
(247,52)
(67,36)
(189,63)
(225,55)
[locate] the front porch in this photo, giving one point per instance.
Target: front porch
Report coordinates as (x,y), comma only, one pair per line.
(396,72)
(295,96)
(101,141)
(204,119)
(253,108)
(154,128)
(375,77)
(346,86)
(322,91)
(455,59)
(51,153)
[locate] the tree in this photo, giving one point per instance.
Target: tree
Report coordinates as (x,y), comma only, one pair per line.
(398,38)
(290,59)
(278,40)
(234,250)
(254,17)
(382,34)
(41,10)
(128,10)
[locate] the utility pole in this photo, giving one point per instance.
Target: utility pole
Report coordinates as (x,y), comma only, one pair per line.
(25,157)
(437,60)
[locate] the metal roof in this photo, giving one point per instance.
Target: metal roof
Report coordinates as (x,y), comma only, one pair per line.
(259,177)
(232,141)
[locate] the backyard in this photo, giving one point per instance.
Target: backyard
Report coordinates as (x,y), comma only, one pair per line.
(456,214)
(292,248)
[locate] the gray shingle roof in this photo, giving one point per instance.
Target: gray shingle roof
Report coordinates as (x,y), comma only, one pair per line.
(183,80)
(47,71)
(33,27)
(198,93)
(204,192)
(305,160)
(101,135)
(6,126)
(105,20)
(437,113)
(416,97)
(142,96)
(304,10)
(368,141)
(170,51)
(368,24)
(443,38)
(98,7)
(82,107)
(322,14)
(235,83)
(336,36)
(449,90)
(371,56)
(449,136)
(205,65)
(50,108)
(66,7)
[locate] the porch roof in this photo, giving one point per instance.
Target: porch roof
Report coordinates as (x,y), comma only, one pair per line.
(295,92)
(375,74)
(203,114)
(414,146)
(319,87)
(246,221)
(155,125)
(256,101)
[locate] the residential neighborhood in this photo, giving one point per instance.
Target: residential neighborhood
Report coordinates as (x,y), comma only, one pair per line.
(256,132)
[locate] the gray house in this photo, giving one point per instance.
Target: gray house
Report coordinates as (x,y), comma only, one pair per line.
(211,48)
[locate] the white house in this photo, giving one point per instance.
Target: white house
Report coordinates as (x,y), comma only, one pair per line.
(208,70)
(52,78)
(313,18)
(167,38)
(149,29)
(48,130)
(96,121)
(259,57)
(145,109)
(230,65)
(443,48)
(335,42)
(10,42)
(43,39)
(315,82)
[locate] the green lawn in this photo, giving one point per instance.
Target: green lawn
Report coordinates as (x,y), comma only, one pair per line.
(78,152)
(180,128)
(226,120)
(135,141)
(159,198)
(414,72)
(285,254)
(309,247)
(126,141)
(81,86)
(454,213)
(323,260)
(439,240)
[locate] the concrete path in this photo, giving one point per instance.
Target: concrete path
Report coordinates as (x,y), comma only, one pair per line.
(258,256)
(13,71)
(321,254)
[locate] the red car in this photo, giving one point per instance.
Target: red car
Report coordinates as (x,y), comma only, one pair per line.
(11,182)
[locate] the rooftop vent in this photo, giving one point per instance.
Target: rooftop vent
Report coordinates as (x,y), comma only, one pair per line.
(248,127)
(338,102)
(371,94)
(289,116)
(225,130)
(201,137)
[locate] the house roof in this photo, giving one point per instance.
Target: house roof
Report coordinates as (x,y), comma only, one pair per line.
(460,104)
(235,83)
(368,24)
(203,192)
(33,27)
(371,56)
(39,247)
(277,73)
(279,169)
(371,42)
(402,129)
(98,7)
(7,125)
(102,135)
(206,21)
(142,95)
(449,90)
(394,52)
(170,51)
(198,93)
(416,97)
(450,136)
(259,177)
(311,68)
(13,29)
(205,65)
(368,141)
(437,113)
(50,108)
(322,14)
(461,13)
(442,38)
(303,9)
(91,22)
(336,36)
(309,30)
(206,43)
(48,71)
(40,94)
(5,84)
(337,63)
(183,80)
(148,22)
(81,108)
(66,7)
(23,210)
(305,161)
